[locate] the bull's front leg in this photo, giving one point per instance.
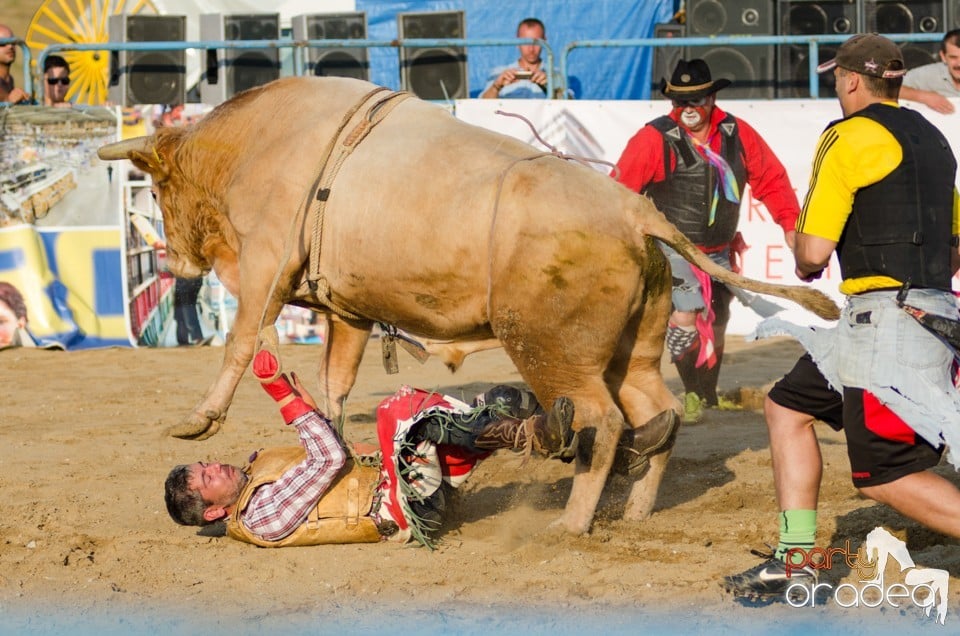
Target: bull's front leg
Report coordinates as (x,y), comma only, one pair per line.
(252,305)
(344,343)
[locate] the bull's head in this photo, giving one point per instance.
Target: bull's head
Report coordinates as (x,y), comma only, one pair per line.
(154,154)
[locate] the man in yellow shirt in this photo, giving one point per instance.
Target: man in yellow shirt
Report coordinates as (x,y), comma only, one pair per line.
(882,197)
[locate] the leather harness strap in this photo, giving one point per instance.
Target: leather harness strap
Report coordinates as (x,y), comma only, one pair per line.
(354,128)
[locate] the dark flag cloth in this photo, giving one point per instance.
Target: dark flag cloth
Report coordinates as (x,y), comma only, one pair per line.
(945,328)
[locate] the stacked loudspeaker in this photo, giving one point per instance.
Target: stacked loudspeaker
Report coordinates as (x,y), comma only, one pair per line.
(147,77)
(760,71)
(916,16)
(665,57)
(812,17)
(334,61)
(229,71)
(437,72)
(750,68)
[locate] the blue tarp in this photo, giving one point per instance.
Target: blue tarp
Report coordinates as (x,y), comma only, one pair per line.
(594,73)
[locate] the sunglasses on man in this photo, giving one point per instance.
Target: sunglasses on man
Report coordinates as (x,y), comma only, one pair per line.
(696,103)
(63,81)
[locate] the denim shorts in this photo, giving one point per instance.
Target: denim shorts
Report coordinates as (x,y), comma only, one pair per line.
(881,349)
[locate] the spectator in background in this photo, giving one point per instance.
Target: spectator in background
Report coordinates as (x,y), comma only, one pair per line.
(56,73)
(13,317)
(8,55)
(527,79)
(13,321)
(694,163)
(933,83)
(186,292)
(171,115)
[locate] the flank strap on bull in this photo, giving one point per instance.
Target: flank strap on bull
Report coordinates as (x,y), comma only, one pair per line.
(356,124)
(553,152)
(381,101)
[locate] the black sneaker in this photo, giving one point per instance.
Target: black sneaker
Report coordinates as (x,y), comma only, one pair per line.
(770,581)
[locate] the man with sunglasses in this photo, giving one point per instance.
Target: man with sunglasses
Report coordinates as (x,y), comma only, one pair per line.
(56,74)
(694,164)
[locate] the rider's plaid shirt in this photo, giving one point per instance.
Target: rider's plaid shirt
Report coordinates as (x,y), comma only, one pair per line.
(277,509)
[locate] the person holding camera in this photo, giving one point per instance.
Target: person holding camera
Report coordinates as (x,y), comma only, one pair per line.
(526,79)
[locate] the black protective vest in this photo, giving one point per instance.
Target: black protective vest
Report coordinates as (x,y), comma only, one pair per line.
(901,226)
(686,194)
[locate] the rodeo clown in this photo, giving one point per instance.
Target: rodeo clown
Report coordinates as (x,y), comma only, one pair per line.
(315,494)
(695,163)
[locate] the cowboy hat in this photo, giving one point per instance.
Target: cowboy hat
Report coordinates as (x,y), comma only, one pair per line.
(691,81)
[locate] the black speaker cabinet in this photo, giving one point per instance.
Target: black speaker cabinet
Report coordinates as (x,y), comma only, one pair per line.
(433,72)
(953,15)
(147,77)
(338,62)
(750,68)
(812,17)
(229,71)
(908,16)
(665,58)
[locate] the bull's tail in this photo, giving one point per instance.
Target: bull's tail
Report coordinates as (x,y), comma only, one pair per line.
(651,222)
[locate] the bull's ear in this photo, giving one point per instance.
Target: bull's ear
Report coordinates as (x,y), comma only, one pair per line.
(150,162)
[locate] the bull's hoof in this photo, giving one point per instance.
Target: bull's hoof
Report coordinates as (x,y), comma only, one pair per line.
(643,493)
(567,525)
(197,428)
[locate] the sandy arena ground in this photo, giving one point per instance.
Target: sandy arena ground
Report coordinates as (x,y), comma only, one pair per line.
(86,545)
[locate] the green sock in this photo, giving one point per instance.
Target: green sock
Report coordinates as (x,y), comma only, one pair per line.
(798,529)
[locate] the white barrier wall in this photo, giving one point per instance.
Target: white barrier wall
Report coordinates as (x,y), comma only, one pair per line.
(600,130)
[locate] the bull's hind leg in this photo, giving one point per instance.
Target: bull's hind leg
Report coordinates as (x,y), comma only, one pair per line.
(600,424)
(343,347)
(634,377)
(552,371)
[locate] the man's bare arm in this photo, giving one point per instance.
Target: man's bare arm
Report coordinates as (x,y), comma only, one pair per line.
(933,99)
(812,254)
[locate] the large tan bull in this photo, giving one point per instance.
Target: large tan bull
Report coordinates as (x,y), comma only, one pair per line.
(440,228)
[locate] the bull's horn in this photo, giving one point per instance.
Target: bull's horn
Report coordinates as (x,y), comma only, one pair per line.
(123,149)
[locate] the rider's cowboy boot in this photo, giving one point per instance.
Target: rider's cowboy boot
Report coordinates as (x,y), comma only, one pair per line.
(638,445)
(548,434)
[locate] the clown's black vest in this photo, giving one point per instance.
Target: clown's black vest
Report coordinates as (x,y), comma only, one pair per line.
(686,194)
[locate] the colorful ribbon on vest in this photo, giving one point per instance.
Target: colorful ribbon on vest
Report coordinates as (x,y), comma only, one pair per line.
(731,191)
